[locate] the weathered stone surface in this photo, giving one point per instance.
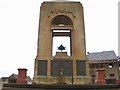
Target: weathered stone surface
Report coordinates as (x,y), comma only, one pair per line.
(62,16)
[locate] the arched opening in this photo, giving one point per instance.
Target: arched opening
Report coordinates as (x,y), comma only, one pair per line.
(62,20)
(61,32)
(61,37)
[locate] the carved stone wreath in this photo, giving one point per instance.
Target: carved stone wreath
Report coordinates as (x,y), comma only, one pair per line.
(57,11)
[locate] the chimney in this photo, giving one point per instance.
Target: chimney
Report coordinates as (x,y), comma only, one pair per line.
(22,76)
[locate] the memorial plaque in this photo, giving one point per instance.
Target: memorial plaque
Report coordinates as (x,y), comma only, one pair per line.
(42,67)
(81,68)
(59,67)
(55,68)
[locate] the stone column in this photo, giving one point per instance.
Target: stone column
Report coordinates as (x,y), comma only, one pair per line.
(22,76)
(74,71)
(48,70)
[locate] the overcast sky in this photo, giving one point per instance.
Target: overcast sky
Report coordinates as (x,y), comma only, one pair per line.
(19,20)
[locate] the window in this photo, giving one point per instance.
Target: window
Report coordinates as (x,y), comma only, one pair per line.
(91,65)
(112,75)
(101,65)
(96,65)
(110,65)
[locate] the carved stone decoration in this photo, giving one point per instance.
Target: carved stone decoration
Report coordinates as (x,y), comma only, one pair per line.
(61,11)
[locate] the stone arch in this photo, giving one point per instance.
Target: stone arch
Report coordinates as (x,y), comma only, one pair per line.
(61,20)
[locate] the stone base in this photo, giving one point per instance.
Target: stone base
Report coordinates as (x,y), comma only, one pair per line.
(59,87)
(64,80)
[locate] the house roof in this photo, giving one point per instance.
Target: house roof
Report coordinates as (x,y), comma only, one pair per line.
(105,55)
(13,76)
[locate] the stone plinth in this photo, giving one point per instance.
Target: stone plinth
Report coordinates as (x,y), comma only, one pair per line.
(22,75)
(100,76)
(61,56)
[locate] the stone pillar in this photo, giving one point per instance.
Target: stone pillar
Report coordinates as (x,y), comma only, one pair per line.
(74,72)
(22,75)
(48,69)
(100,76)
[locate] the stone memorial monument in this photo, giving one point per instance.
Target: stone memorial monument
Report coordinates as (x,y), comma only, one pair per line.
(61,71)
(61,19)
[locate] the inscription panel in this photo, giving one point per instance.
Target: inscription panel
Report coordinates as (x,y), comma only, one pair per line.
(81,67)
(42,67)
(61,67)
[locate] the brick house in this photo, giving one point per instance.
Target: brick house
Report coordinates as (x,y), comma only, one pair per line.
(106,60)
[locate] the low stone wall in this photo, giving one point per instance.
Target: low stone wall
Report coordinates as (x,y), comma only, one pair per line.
(58,87)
